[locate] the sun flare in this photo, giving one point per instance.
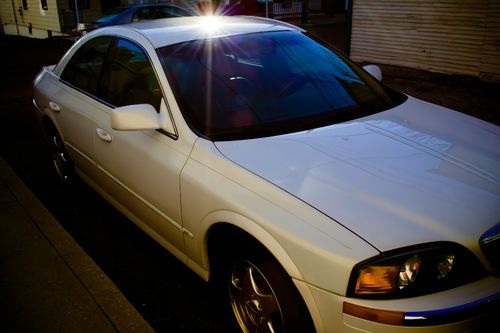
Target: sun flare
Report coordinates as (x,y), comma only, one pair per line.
(211,23)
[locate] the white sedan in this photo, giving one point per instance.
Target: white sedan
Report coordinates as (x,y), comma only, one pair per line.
(262,158)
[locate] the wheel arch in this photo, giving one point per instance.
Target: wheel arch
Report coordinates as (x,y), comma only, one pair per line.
(241,228)
(248,233)
(50,124)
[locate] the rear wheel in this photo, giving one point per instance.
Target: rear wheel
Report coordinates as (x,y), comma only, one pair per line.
(60,157)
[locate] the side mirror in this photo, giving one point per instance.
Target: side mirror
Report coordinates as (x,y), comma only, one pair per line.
(135,118)
(374,71)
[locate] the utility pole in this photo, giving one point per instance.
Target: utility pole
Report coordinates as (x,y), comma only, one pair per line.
(77,13)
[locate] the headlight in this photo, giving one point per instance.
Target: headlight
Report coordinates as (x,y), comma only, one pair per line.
(414,270)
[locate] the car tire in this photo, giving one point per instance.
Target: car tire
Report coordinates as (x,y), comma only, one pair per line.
(59,156)
(262,296)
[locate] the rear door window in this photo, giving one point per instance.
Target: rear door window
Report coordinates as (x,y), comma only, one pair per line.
(84,70)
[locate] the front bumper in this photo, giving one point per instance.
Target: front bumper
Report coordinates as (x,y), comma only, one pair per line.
(470,308)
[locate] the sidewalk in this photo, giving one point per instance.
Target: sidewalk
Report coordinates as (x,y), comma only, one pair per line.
(47,282)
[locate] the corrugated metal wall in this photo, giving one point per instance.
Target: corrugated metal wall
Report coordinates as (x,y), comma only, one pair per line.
(448,36)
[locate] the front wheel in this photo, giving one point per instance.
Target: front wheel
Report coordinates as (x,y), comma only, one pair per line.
(263,298)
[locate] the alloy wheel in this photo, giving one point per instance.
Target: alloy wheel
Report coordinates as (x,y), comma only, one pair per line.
(253,300)
(60,159)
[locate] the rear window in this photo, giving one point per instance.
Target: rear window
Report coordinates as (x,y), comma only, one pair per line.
(262,84)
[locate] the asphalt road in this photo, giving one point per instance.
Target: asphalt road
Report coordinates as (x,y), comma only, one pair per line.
(168,295)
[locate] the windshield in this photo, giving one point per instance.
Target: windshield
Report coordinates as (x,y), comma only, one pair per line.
(261,84)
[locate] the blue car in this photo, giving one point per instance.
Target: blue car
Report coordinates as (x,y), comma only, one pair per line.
(137,13)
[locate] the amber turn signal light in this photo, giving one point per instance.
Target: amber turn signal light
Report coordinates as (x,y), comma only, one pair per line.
(379,316)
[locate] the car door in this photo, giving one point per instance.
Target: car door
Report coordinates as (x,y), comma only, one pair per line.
(75,96)
(139,170)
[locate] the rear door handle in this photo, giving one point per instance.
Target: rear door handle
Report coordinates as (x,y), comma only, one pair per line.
(103,135)
(54,107)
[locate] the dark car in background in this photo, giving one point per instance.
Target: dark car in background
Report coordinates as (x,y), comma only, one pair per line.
(137,13)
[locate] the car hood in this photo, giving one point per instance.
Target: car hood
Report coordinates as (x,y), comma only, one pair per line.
(416,173)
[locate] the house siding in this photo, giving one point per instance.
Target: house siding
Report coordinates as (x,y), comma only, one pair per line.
(447,36)
(59,18)
(7,16)
(41,20)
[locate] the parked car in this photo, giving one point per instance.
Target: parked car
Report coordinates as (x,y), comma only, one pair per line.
(263,158)
(138,13)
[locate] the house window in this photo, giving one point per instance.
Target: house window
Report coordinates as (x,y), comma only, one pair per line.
(44,4)
(25,4)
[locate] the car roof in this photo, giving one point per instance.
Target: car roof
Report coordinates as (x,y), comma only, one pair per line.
(162,32)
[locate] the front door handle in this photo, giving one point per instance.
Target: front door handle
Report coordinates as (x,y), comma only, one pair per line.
(103,135)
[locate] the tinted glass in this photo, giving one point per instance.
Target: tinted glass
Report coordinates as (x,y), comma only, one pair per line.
(157,12)
(169,11)
(111,15)
(84,70)
(131,79)
(147,13)
(262,84)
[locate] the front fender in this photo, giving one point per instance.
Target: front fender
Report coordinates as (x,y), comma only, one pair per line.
(252,228)
(309,245)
